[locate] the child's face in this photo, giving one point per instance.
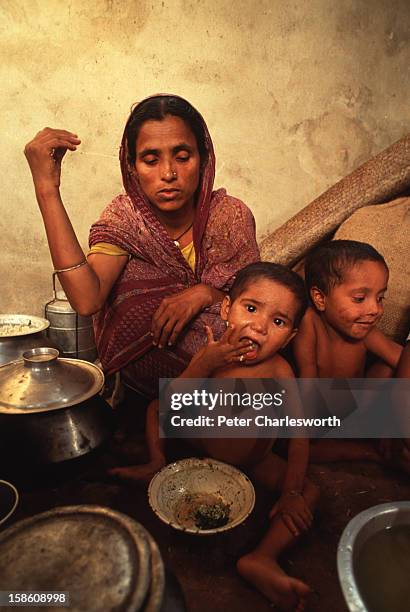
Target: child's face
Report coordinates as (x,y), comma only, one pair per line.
(264,312)
(355,306)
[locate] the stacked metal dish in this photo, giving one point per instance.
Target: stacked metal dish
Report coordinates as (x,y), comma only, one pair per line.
(102,559)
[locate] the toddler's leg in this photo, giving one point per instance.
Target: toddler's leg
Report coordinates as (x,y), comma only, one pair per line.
(156,451)
(261,567)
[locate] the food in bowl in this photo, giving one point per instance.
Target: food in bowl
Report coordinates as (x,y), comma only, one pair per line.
(205,511)
(201,496)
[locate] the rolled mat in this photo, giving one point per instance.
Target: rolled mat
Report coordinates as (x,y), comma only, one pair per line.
(380,179)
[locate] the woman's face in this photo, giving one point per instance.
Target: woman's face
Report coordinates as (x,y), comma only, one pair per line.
(167,163)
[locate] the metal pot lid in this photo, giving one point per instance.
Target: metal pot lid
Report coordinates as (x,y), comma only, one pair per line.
(100,557)
(42,381)
(12,325)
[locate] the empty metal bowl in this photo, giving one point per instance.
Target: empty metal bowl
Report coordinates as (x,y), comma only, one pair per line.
(185,492)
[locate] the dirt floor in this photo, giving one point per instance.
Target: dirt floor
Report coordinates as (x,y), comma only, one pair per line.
(205,566)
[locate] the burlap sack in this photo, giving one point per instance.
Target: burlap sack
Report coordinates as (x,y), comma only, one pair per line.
(387,228)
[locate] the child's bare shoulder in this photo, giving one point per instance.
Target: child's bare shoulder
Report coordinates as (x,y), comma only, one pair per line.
(310,324)
(278,367)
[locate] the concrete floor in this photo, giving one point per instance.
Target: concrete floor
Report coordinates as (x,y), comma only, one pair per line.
(205,566)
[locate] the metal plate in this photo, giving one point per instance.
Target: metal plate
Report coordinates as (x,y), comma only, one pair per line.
(12,325)
(155,595)
(101,557)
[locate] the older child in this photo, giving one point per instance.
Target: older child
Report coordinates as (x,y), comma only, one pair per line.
(346,281)
(262,312)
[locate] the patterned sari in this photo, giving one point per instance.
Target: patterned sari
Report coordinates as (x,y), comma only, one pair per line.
(224,242)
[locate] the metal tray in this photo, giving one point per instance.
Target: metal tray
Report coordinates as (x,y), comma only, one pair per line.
(99,556)
(12,325)
(156,591)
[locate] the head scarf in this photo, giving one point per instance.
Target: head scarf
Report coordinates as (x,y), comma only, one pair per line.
(203,194)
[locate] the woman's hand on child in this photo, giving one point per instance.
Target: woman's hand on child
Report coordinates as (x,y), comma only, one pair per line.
(176,311)
(295,512)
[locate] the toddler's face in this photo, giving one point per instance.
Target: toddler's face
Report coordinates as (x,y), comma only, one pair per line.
(355,306)
(264,312)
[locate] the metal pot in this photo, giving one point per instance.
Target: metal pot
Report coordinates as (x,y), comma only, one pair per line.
(72,333)
(18,333)
(50,410)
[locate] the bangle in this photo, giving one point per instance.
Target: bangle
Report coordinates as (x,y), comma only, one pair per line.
(82,263)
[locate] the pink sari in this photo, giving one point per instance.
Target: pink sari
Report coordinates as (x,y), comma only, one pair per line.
(224,242)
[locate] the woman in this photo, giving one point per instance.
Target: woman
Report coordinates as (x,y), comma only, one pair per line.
(162,254)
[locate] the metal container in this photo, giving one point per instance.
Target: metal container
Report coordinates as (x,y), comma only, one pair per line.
(99,557)
(72,333)
(50,410)
(18,333)
(356,534)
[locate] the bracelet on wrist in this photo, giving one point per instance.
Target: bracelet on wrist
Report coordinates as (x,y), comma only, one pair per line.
(79,265)
(293,493)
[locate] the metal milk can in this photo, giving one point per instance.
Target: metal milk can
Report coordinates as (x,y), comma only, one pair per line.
(72,333)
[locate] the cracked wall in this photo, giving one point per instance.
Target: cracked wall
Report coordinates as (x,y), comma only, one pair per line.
(296,95)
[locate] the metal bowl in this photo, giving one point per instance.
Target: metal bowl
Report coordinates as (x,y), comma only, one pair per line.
(176,492)
(356,534)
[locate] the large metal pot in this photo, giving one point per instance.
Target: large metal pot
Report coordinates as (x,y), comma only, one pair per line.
(18,333)
(50,408)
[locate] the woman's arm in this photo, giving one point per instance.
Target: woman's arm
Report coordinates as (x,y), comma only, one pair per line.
(88,286)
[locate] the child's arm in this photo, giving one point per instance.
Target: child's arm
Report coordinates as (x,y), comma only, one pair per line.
(403,371)
(292,505)
(305,347)
(381,346)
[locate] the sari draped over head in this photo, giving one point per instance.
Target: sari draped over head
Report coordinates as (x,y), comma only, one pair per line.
(224,242)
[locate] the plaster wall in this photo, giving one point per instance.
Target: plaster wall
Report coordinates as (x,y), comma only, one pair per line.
(296,95)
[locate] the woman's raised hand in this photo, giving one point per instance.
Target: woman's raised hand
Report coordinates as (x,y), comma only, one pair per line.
(44,155)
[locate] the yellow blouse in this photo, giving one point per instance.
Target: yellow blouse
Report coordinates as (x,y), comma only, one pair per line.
(111,249)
